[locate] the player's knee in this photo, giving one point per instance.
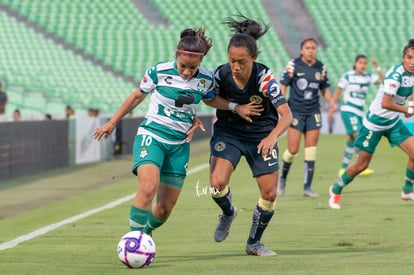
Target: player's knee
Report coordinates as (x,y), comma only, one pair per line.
(267,205)
(221,193)
(288,156)
(218,182)
(310,153)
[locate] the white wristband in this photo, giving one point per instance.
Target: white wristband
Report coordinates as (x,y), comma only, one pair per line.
(410,110)
(378,69)
(232,106)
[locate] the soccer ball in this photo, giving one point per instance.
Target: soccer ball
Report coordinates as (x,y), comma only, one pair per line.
(136,249)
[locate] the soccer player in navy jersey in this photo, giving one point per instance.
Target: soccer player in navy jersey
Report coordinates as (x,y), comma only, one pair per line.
(247,83)
(306,76)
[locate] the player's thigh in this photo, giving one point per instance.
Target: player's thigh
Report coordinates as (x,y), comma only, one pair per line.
(367,140)
(225,155)
(226,148)
(400,136)
(260,165)
(267,184)
(147,150)
(313,121)
(352,122)
(174,168)
(293,139)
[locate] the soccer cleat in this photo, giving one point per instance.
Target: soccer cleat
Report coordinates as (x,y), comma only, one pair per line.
(310,193)
(334,199)
(281,187)
(341,171)
(407,196)
(258,249)
(223,227)
(367,172)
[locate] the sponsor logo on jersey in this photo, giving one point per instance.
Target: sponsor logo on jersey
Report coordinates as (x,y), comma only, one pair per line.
(300,74)
(168,80)
(302,83)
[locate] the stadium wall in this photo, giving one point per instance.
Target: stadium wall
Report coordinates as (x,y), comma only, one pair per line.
(30,147)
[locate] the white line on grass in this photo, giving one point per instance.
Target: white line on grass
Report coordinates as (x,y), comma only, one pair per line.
(48,228)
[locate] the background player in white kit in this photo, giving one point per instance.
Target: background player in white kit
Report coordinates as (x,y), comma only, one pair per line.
(354,85)
(383,119)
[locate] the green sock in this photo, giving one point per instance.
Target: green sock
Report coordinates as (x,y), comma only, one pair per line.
(409,180)
(348,153)
(152,224)
(138,218)
(341,183)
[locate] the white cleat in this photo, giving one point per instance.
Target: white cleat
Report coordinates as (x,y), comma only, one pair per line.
(334,199)
(407,196)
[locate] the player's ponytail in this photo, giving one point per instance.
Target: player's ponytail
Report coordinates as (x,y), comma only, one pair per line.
(194,42)
(410,45)
(246,32)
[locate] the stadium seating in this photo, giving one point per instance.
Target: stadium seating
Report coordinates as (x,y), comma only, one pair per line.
(116,34)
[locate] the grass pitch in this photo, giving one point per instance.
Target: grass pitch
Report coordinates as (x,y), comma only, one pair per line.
(371,234)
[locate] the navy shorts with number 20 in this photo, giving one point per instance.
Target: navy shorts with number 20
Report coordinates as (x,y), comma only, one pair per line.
(232,149)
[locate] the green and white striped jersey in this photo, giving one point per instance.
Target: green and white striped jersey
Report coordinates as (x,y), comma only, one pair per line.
(174,101)
(397,83)
(355,88)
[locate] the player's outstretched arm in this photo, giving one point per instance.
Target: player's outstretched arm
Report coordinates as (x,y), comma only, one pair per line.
(132,101)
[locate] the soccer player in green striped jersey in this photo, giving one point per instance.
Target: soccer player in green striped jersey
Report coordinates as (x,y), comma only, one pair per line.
(161,149)
(354,85)
(383,119)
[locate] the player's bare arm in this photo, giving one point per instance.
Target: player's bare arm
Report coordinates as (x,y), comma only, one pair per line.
(266,145)
(389,104)
(245,111)
(132,101)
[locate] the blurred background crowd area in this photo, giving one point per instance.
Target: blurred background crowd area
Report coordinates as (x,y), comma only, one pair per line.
(89,55)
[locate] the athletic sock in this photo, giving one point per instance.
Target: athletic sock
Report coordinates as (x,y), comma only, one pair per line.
(261,219)
(343,180)
(224,201)
(348,153)
(308,170)
(409,181)
(138,218)
(285,169)
(152,223)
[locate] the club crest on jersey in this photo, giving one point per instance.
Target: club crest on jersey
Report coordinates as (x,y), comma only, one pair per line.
(201,86)
(256,99)
(219,146)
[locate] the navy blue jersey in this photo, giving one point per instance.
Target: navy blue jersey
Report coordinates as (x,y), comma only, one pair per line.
(305,82)
(258,89)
